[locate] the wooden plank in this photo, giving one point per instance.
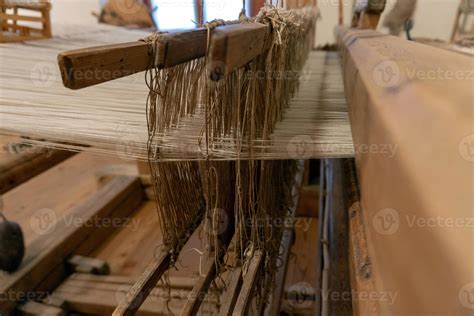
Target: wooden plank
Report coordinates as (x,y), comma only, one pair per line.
(99,295)
(4,16)
(142,288)
(86,67)
(25,166)
(46,254)
(232,293)
(423,117)
(249,283)
(200,289)
(234,46)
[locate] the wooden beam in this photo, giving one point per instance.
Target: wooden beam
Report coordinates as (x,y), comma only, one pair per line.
(86,67)
(234,46)
(142,288)
(16,17)
(422,114)
(249,284)
(22,167)
(45,256)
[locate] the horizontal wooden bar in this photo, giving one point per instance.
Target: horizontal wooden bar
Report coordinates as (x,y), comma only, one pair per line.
(16,17)
(86,67)
(234,46)
(22,167)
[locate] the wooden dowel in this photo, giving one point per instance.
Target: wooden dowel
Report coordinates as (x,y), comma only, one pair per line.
(250,281)
(234,46)
(147,281)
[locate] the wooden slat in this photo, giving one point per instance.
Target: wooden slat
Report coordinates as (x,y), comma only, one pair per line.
(232,293)
(248,286)
(23,167)
(234,46)
(147,281)
(45,256)
(16,17)
(98,295)
(86,67)
(200,289)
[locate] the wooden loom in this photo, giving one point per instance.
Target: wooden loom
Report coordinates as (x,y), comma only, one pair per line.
(12,31)
(367,266)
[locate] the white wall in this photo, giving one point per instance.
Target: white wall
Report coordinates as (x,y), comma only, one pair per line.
(433,18)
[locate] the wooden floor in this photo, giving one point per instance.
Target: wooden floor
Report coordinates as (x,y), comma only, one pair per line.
(51,199)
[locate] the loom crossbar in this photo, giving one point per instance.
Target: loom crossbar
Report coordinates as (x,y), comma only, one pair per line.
(233,46)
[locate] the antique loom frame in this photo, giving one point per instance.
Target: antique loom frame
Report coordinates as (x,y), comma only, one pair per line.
(20,32)
(373,122)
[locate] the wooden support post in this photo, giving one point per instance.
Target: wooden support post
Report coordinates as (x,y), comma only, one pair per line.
(234,46)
